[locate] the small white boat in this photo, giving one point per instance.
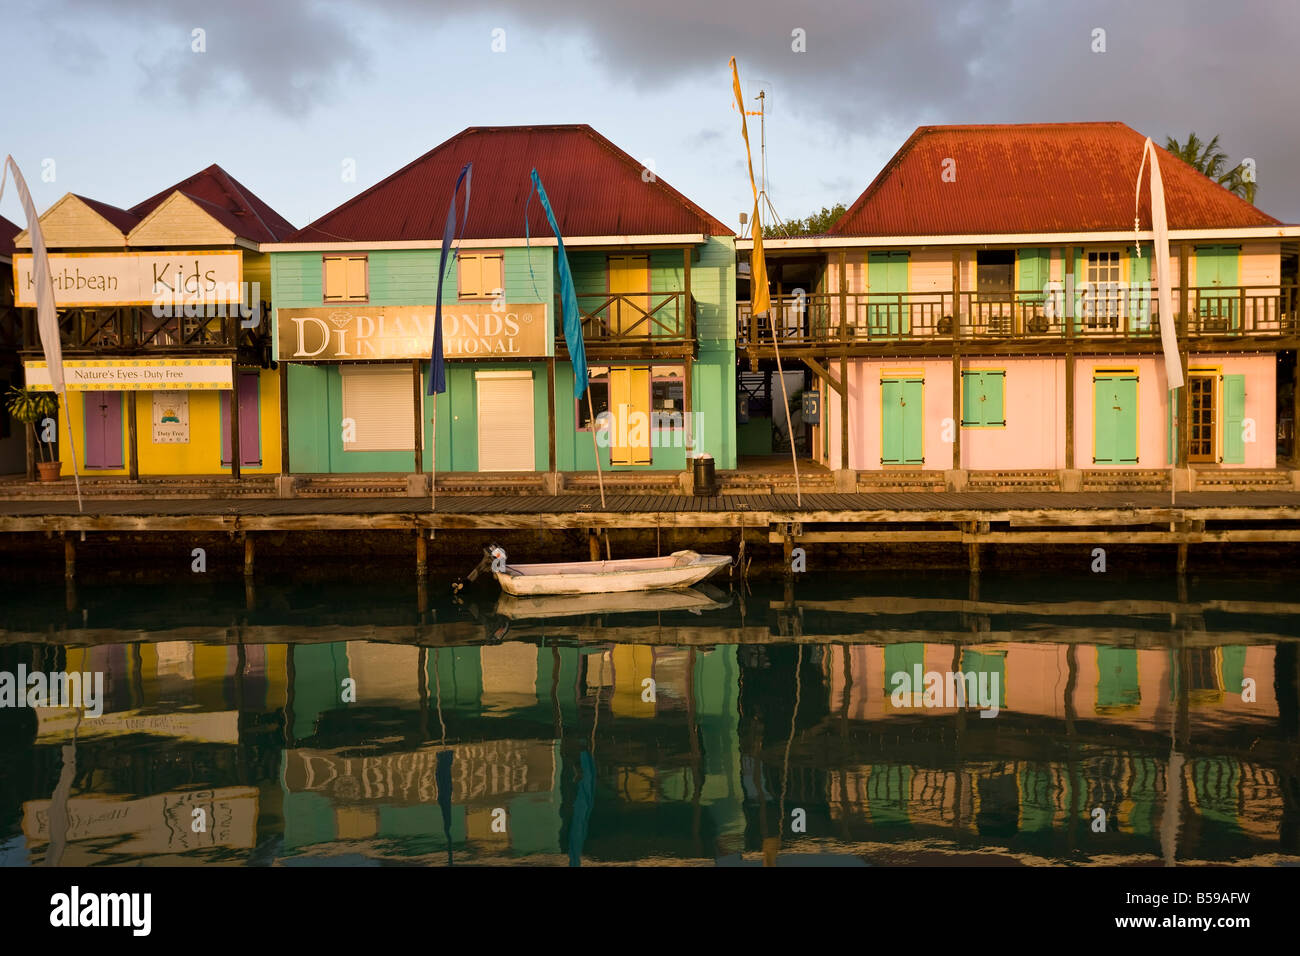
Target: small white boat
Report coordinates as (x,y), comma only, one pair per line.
(703,597)
(680,569)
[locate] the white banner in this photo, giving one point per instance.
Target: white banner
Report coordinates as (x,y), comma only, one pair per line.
(134,278)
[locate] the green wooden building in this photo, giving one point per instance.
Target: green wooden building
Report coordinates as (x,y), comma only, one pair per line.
(655,275)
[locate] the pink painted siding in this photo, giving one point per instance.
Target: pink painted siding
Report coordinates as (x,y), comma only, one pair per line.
(1034,405)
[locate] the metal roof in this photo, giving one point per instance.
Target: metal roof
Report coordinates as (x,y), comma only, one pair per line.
(229,202)
(594,187)
(1033,178)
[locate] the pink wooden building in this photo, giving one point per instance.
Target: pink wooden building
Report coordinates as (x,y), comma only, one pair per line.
(985,315)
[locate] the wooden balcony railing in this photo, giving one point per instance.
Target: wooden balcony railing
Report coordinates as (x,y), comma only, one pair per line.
(1121,312)
(136,330)
(634,319)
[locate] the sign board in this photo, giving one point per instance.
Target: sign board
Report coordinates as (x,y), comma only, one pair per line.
(812,408)
(477,330)
(134,278)
(171,417)
(134,375)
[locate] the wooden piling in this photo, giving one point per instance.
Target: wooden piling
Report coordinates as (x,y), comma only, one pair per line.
(69,559)
(248,555)
(421,554)
(593,542)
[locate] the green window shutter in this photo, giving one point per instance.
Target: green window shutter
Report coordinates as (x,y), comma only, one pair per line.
(1033,273)
(995,384)
(1139,286)
(1234,413)
(970,398)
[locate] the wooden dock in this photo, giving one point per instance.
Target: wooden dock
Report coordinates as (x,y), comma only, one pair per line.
(972,519)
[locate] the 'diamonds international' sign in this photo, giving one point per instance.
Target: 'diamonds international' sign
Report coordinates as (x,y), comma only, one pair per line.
(333,334)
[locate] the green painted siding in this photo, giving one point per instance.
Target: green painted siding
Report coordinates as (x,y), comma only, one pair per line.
(713,284)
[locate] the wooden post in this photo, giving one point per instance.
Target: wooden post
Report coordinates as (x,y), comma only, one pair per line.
(416,394)
(1067,263)
(248,555)
(69,559)
(688,253)
(1184,336)
(235,452)
(32,451)
(421,554)
(550,412)
(593,542)
(132,439)
(844,361)
(284,418)
(956,361)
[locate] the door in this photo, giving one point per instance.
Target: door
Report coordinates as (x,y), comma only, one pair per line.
(103,412)
(250,432)
(1115,418)
(505,421)
(1204,421)
(1234,419)
(629,405)
(1216,280)
(901,423)
(887,302)
(628,276)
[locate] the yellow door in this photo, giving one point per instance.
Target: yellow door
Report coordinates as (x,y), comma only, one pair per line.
(629,405)
(628,276)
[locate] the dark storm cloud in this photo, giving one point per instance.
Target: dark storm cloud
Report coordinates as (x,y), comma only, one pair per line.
(871,66)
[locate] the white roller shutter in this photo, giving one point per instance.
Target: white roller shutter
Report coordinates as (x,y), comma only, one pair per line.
(378,398)
(505,421)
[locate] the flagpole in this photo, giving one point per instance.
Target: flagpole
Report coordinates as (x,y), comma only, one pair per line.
(600,478)
(72,447)
(789,428)
(433,459)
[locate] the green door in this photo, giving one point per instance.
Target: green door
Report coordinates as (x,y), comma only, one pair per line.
(1234,417)
(1115,418)
(887,302)
(1216,279)
(901,425)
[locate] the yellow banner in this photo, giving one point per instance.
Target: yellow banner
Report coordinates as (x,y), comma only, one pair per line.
(758,296)
(134,375)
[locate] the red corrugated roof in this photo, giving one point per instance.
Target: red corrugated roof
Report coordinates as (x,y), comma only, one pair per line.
(7,232)
(595,189)
(122,219)
(229,202)
(1031,178)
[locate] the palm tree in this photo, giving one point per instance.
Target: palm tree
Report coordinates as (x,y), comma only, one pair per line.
(1210,160)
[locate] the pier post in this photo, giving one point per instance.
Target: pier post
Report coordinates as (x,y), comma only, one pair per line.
(248,554)
(593,541)
(1182,559)
(69,559)
(421,554)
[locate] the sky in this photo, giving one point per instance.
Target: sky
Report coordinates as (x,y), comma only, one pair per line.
(116,100)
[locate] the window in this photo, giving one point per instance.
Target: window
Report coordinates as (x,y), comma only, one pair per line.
(599,391)
(983,394)
(480,275)
(668,396)
(345,279)
(1102,293)
(378,401)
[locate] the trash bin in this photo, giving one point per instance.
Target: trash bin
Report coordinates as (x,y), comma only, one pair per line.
(706,477)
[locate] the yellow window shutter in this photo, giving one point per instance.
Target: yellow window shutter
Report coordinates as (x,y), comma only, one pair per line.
(471,276)
(356,278)
(493,277)
(336,286)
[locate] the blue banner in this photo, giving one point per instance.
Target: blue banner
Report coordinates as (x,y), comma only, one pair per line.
(568,294)
(438,373)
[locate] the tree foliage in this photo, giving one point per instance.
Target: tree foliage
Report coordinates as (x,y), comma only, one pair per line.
(1208,158)
(813,225)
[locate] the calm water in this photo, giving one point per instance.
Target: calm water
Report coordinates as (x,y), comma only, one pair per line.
(729,726)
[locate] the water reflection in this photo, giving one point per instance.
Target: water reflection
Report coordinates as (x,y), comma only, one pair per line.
(350,723)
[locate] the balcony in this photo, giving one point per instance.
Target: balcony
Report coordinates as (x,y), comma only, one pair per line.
(136,330)
(645,324)
(1102,316)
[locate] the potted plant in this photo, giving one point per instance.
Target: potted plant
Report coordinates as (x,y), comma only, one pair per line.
(29,407)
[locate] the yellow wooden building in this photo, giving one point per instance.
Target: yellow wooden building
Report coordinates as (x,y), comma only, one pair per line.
(165,318)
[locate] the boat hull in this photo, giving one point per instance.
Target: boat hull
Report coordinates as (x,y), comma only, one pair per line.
(605,577)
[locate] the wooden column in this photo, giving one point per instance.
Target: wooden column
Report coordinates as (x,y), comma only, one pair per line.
(284,419)
(416,395)
(1067,264)
(550,411)
(132,439)
(844,361)
(956,361)
(235,451)
(421,554)
(1183,329)
(249,552)
(69,559)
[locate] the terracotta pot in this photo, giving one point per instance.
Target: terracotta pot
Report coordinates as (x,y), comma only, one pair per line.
(49,470)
